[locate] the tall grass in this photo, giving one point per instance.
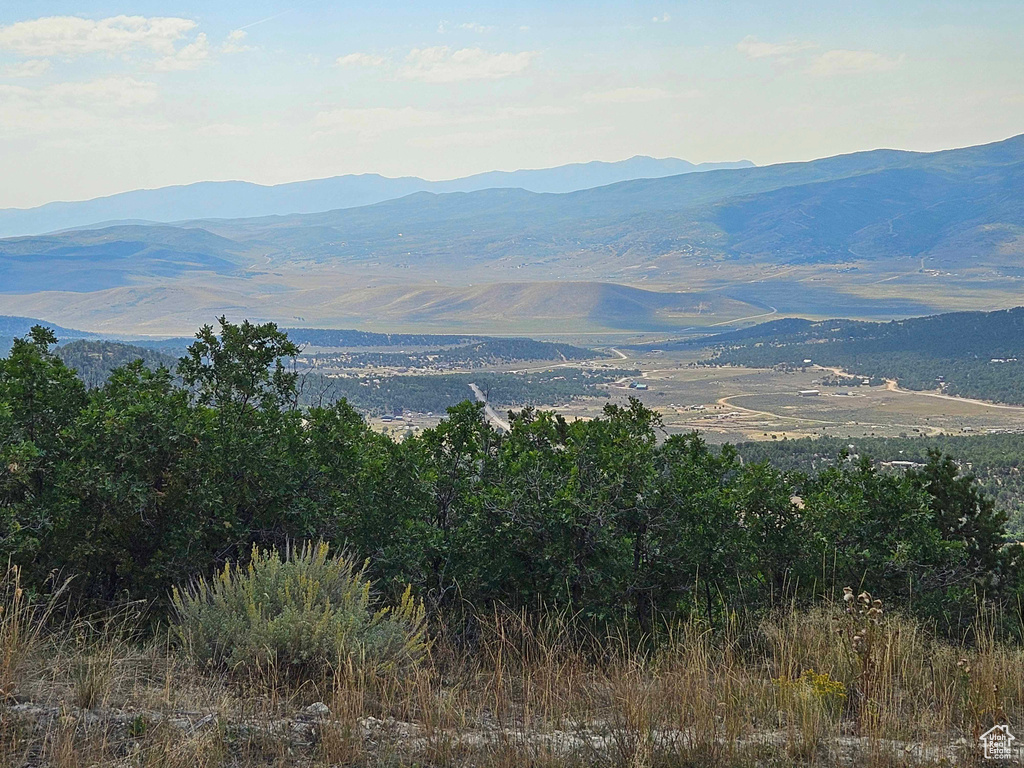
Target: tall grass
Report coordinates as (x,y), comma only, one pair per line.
(795,689)
(22,623)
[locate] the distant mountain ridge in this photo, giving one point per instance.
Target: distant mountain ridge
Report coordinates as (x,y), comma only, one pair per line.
(12,325)
(878,234)
(241,199)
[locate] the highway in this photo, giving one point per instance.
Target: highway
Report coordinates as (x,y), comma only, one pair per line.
(491,413)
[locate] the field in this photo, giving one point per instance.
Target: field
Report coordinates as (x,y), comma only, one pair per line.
(732,404)
(581,295)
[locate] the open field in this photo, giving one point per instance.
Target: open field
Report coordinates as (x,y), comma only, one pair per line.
(729,404)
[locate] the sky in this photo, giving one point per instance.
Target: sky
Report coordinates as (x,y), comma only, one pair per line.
(101,97)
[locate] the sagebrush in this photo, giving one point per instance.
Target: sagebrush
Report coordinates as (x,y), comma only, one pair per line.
(307,612)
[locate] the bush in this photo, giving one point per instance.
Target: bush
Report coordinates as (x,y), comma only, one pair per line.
(305,614)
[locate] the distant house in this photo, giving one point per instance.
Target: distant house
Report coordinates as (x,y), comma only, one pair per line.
(902,464)
(809,392)
(641,386)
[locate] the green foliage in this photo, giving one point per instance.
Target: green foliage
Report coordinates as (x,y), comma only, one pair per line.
(93,361)
(145,483)
(994,461)
(39,402)
(491,351)
(436,393)
(242,366)
(305,613)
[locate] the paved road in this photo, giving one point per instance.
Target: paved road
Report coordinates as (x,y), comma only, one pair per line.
(491,413)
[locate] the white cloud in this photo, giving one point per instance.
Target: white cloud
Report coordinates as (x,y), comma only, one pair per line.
(121,92)
(234,43)
(472,26)
(441,64)
(27,68)
(843,62)
(753,48)
(525,113)
(634,95)
(81,104)
(360,60)
(190,56)
(74,36)
(663,19)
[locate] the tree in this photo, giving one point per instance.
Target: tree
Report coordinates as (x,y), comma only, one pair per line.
(40,399)
(242,367)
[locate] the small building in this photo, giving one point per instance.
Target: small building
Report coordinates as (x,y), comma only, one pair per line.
(641,386)
(809,392)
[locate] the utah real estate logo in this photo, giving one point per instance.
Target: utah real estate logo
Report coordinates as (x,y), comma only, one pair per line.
(997,742)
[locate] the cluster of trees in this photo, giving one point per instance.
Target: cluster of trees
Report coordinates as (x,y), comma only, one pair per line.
(996,461)
(438,392)
(144,483)
(487,352)
(953,351)
(330,337)
(94,360)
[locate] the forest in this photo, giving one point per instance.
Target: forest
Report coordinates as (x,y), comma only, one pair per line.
(383,394)
(969,354)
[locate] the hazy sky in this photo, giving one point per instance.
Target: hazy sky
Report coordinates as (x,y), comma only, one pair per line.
(99,97)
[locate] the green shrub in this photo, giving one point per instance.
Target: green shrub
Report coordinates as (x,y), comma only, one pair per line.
(307,613)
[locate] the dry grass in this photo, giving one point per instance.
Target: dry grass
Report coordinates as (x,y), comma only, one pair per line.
(794,691)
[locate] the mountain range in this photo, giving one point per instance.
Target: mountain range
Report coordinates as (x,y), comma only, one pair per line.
(236,199)
(880,234)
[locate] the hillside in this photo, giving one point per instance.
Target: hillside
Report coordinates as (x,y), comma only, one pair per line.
(876,234)
(970,354)
(94,360)
(235,199)
(833,205)
(91,260)
(18,327)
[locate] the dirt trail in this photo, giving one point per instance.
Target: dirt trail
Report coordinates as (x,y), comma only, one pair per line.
(891,385)
(725,401)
